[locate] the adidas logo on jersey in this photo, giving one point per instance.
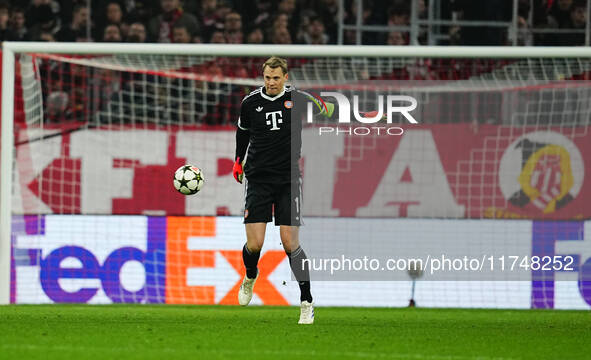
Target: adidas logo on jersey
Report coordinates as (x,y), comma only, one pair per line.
(259,109)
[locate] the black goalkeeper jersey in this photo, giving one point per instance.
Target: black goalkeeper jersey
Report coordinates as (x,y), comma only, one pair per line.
(274,124)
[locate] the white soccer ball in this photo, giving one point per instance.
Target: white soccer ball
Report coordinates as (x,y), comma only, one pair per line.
(188,179)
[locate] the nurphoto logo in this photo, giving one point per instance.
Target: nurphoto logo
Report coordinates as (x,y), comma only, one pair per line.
(395,104)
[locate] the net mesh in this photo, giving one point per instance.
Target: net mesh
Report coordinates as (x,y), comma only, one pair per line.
(102,135)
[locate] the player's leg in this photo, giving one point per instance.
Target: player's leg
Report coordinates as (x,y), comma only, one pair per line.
(255,237)
(257,212)
(288,217)
(297,259)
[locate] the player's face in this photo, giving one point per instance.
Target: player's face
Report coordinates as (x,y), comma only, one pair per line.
(274,80)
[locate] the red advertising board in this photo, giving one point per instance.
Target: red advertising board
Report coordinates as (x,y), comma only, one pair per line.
(448,171)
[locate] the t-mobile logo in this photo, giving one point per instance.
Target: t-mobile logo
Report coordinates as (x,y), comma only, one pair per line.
(275,119)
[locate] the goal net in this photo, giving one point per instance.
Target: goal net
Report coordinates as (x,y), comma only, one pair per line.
(479,204)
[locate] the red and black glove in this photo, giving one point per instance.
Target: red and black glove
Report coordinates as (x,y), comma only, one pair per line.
(237,170)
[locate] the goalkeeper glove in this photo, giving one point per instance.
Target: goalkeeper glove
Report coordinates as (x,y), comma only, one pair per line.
(237,171)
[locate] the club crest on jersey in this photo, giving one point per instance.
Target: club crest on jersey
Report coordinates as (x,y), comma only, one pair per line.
(288,104)
(259,109)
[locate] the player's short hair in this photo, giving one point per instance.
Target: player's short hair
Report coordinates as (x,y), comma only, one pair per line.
(275,62)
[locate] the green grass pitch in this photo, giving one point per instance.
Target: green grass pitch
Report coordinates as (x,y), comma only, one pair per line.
(220,332)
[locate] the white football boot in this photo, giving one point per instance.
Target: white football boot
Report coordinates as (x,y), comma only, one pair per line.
(306,313)
(245,292)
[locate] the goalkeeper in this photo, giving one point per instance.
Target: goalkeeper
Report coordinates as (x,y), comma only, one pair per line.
(270,128)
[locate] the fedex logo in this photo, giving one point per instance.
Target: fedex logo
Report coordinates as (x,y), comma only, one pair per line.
(103,259)
(550,288)
(89,259)
(203,251)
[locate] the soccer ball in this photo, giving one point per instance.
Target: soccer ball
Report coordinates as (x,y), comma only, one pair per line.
(188,179)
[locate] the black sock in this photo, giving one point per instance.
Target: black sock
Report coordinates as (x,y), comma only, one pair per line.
(251,259)
(301,271)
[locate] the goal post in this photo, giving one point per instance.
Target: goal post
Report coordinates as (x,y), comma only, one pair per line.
(13,49)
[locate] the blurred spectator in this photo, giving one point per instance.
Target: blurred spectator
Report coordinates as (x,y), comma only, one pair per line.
(160,27)
(396,38)
(423,14)
(47,22)
(57,106)
(328,11)
(540,12)
(208,19)
(137,33)
(180,34)
(45,36)
(302,28)
(217,38)
(578,15)
(315,34)
(66,8)
(288,7)
(222,9)
(141,10)
(255,36)
(114,16)
(399,15)
(233,28)
(455,37)
(490,10)
(17,24)
(5,32)
(422,9)
(307,21)
(559,14)
(367,38)
(577,21)
(78,27)
(112,34)
(525,36)
(280,22)
(540,20)
(281,36)
(256,13)
(37,12)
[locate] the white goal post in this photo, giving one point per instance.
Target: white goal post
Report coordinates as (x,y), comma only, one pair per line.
(11,49)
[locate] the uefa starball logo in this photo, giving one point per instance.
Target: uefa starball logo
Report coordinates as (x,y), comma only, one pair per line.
(374,122)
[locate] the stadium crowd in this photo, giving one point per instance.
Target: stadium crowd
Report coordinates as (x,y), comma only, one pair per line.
(284,21)
(76,93)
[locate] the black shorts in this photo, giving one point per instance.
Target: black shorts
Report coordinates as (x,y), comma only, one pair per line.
(265,200)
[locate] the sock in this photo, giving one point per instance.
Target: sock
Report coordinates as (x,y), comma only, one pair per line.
(301,271)
(251,259)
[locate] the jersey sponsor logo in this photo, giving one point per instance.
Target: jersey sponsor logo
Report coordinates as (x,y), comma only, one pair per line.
(288,104)
(259,109)
(276,119)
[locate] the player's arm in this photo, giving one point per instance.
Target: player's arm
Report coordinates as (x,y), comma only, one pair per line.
(242,140)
